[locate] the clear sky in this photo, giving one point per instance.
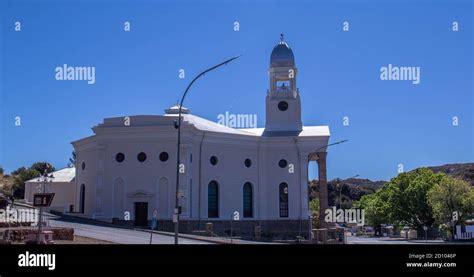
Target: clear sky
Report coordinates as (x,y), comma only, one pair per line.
(390,122)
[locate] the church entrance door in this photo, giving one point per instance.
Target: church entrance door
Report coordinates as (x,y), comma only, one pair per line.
(141,213)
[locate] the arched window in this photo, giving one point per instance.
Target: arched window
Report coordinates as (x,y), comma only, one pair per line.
(82,198)
(248,200)
(213,200)
(283,200)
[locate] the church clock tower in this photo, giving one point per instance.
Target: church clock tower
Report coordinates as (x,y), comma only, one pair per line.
(283,104)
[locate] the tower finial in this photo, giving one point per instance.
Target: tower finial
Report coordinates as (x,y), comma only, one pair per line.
(282,38)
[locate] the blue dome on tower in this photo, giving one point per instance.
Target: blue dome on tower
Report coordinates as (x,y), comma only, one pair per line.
(282,55)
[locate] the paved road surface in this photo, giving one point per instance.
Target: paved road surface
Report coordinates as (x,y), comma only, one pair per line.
(118,235)
(373,240)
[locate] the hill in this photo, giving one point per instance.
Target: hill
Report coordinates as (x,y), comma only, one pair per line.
(461,171)
(350,190)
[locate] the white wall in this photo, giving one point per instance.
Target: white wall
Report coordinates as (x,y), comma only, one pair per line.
(141,180)
(64,194)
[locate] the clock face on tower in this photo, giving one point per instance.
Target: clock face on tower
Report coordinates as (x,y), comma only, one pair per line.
(283,106)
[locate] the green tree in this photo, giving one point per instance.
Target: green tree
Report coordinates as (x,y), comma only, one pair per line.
(449,197)
(375,206)
(1,171)
(408,201)
(403,200)
(18,171)
(23,174)
(314,208)
(20,176)
(41,167)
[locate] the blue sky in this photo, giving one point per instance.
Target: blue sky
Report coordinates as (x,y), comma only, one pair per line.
(391,122)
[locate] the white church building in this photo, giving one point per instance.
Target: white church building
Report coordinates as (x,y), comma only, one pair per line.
(128,166)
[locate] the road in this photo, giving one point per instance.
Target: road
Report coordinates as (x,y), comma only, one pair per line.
(119,235)
(384,240)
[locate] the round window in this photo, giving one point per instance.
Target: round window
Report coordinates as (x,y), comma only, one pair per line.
(282,163)
(213,160)
(120,157)
(164,156)
(283,106)
(83,165)
(248,162)
(141,157)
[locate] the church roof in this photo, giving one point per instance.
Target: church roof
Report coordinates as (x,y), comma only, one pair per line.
(282,55)
(203,124)
(63,175)
(308,131)
(210,126)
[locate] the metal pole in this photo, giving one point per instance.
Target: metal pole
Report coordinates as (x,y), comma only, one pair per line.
(40,222)
(40,228)
(44,178)
(176,206)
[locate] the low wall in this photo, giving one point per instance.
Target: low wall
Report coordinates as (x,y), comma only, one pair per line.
(19,235)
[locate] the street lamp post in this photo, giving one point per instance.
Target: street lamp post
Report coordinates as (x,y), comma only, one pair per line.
(178,126)
(331,144)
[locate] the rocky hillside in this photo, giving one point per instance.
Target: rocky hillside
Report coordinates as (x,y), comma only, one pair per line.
(6,183)
(461,171)
(351,190)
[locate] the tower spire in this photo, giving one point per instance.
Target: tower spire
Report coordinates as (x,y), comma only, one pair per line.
(282,38)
